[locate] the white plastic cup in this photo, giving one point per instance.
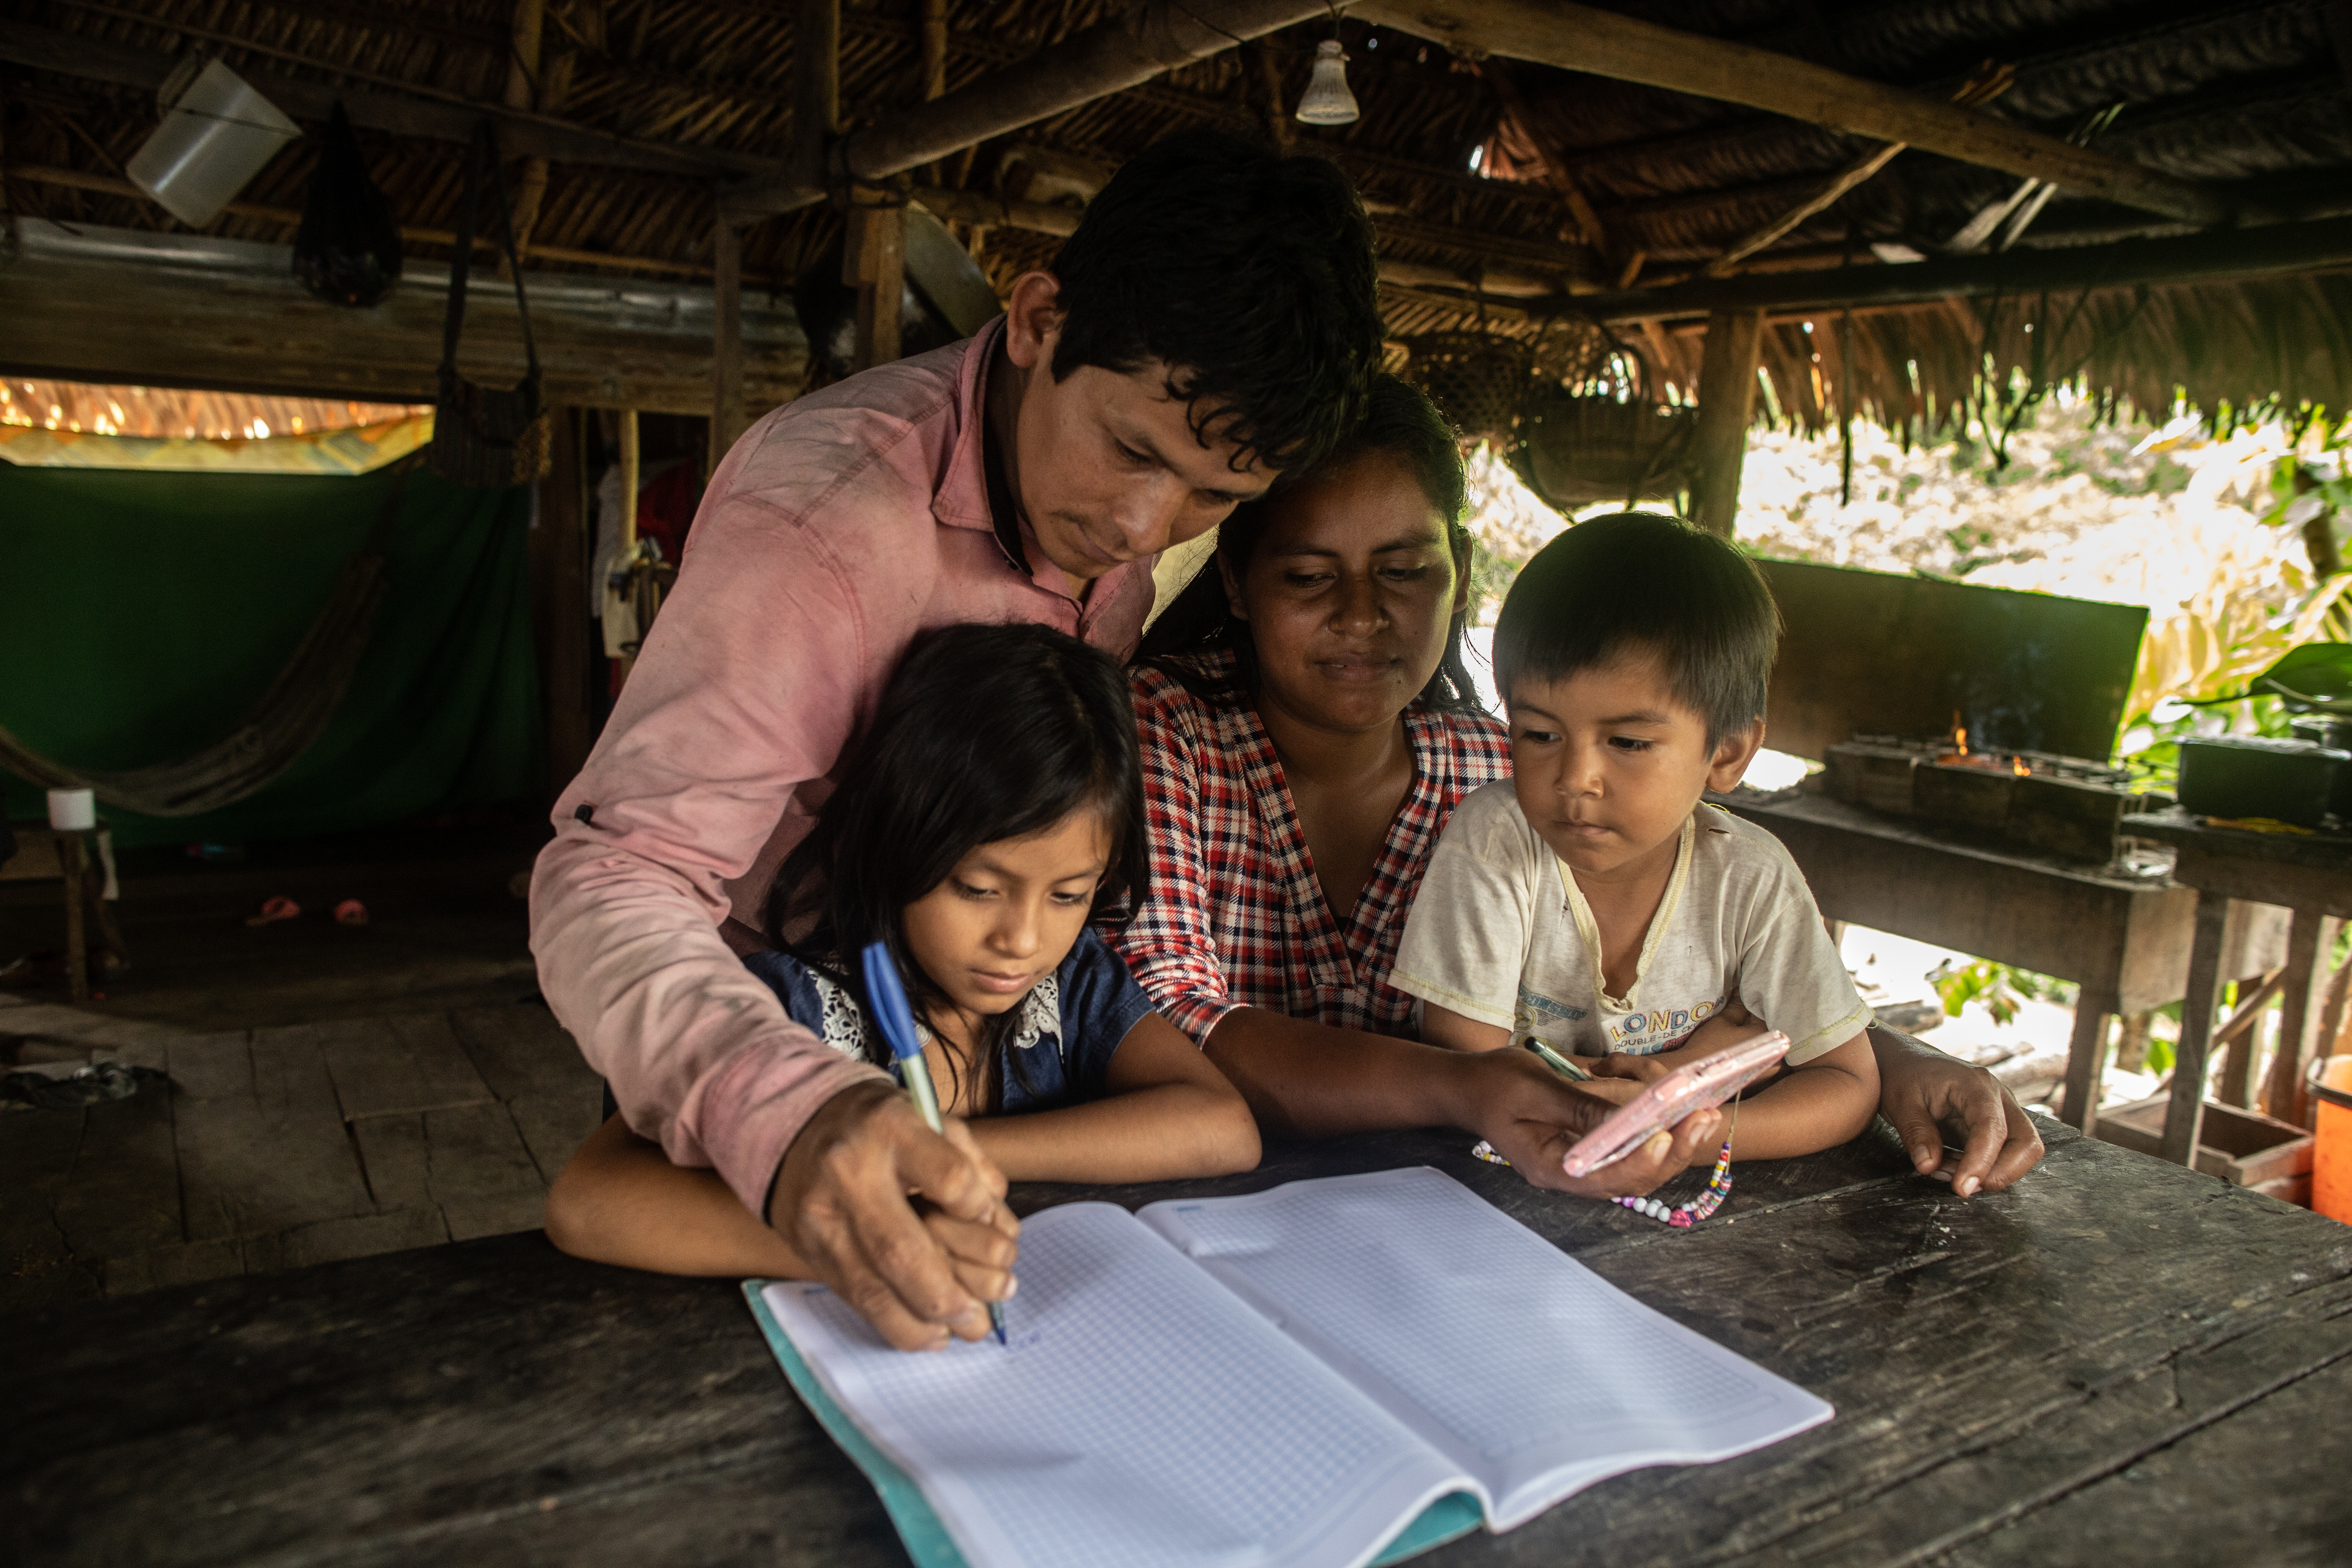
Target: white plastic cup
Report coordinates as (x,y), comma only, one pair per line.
(73,810)
(213,141)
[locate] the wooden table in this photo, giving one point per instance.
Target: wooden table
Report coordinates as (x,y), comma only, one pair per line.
(2118,1360)
(74,855)
(2310,875)
(2125,941)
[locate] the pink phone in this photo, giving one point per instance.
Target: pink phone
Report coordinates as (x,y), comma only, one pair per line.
(1708,1081)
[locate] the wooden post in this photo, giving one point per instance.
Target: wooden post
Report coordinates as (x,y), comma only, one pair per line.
(727,347)
(2131,1042)
(816,92)
(932,47)
(2232,1084)
(523,91)
(1726,401)
(2308,944)
(875,264)
(2184,1116)
(1277,113)
(629,481)
(559,574)
(620,606)
(70,854)
(2086,1066)
(522,55)
(101,911)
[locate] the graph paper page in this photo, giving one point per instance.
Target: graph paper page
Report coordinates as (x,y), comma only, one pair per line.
(1141,1415)
(1531,1373)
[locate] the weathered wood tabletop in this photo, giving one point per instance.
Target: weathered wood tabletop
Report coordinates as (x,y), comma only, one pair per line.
(2119,1361)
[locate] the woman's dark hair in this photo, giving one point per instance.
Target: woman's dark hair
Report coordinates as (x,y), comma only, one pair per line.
(1402,422)
(1249,275)
(984,734)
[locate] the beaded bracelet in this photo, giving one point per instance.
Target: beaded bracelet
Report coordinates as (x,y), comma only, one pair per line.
(1682,1216)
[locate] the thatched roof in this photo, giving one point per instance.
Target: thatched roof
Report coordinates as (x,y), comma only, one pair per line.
(2252,97)
(2235,350)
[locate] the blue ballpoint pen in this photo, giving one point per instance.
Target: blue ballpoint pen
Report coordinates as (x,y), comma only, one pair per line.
(897,1020)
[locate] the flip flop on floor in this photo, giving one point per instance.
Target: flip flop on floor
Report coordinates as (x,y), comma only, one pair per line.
(278,908)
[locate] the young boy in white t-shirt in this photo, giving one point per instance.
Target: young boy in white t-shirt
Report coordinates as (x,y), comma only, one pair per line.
(1592,901)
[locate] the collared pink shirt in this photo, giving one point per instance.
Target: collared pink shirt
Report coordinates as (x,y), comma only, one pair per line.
(837,528)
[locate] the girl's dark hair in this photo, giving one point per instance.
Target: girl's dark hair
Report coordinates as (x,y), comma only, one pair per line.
(1400,422)
(984,734)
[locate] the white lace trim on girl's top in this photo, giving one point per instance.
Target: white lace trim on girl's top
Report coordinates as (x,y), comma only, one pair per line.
(1041,1014)
(842,1022)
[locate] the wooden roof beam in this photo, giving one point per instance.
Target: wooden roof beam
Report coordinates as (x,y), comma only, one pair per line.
(1138,43)
(1554,173)
(2226,255)
(87,303)
(418,110)
(290,219)
(1052,217)
(1602,43)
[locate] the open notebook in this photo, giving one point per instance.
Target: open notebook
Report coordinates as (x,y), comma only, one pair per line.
(1296,1376)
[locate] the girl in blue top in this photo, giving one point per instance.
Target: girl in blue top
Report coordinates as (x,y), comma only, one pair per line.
(995,810)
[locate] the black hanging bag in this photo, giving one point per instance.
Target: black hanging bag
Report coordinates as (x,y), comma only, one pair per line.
(483,436)
(348,250)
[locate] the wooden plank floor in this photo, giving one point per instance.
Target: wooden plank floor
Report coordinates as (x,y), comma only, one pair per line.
(274,1148)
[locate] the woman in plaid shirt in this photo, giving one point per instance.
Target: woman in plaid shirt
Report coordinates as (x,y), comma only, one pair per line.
(1308,691)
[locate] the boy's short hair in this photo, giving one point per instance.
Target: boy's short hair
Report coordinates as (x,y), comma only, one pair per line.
(1250,274)
(1635,582)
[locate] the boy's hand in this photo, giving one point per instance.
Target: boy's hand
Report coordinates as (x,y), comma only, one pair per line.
(841,1202)
(1615,1090)
(1731,1026)
(1624,1065)
(1533,1116)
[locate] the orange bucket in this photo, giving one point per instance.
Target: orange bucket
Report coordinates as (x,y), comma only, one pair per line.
(2331,1156)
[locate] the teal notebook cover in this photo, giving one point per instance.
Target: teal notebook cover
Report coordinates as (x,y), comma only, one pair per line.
(927,1540)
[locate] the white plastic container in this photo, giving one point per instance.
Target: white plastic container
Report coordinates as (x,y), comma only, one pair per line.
(213,141)
(72,810)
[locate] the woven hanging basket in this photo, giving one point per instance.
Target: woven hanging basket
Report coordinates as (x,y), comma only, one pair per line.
(1475,379)
(1573,451)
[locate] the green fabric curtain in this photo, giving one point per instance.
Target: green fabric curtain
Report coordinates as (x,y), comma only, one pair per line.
(141,614)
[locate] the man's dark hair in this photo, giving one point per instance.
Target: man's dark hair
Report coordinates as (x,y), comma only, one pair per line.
(1400,422)
(984,734)
(1250,274)
(1636,582)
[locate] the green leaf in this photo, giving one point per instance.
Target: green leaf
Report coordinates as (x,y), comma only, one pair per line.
(2314,676)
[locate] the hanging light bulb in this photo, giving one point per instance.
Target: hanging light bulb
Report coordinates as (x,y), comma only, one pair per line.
(1326,100)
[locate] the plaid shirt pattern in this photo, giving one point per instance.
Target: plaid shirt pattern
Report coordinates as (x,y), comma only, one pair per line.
(1235,915)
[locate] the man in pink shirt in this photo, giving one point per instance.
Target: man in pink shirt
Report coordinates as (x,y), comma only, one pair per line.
(1212,322)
